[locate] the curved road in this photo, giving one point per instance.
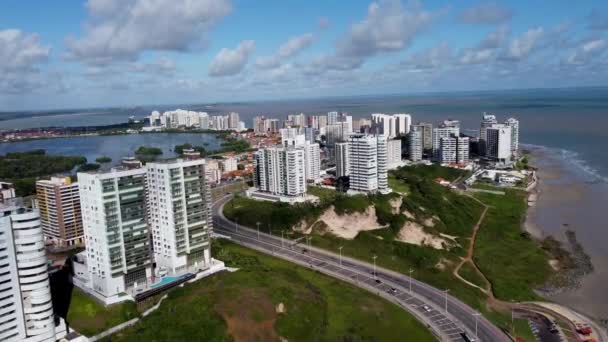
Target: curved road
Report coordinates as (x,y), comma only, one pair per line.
(427,303)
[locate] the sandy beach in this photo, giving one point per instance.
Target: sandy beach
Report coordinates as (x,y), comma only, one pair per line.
(568,198)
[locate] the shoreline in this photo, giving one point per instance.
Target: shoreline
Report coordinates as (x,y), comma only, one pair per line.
(563,205)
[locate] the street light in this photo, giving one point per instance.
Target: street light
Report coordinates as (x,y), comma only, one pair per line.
(477,314)
(236,225)
(258,224)
(282,239)
(446,299)
(340,249)
(411,270)
(374,257)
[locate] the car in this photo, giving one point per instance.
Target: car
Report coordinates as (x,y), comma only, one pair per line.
(378,281)
(466,337)
(426,308)
(393,290)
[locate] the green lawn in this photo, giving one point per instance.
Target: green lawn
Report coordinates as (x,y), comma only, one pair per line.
(243,306)
(510,259)
(397,185)
(89,317)
(468,272)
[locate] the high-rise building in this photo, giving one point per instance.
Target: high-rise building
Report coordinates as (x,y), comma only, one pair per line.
(487,120)
(402,124)
(309,134)
(445,130)
(321,121)
(26,308)
(394,153)
(233,120)
(59,204)
(272,125)
(332,118)
(415,142)
(312,155)
(342,161)
(179,214)
(228,164)
(115,229)
(337,132)
(280,171)
(292,137)
(514,124)
(427,135)
(383,124)
(297,120)
(259,125)
(7,191)
(368,158)
(498,143)
(454,149)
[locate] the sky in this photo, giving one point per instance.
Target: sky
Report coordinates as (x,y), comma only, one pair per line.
(106,53)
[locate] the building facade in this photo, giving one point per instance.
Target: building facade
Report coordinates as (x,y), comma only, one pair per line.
(115,229)
(60,214)
(445,130)
(498,143)
(368,159)
(454,150)
(487,120)
(394,153)
(312,155)
(514,124)
(280,171)
(26,307)
(415,143)
(179,214)
(342,159)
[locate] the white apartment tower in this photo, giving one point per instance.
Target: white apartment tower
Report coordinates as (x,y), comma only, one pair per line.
(280,171)
(342,159)
(394,153)
(499,142)
(514,124)
(60,214)
(368,158)
(415,143)
(115,229)
(403,123)
(312,155)
(454,150)
(445,130)
(179,214)
(26,307)
(487,120)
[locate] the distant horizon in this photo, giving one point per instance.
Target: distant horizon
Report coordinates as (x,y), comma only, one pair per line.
(270,100)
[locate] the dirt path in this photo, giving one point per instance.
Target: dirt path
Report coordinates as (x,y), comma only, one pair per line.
(487,287)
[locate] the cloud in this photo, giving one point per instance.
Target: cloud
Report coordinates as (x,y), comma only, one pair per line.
(486,14)
(587,51)
(521,47)
(20,56)
(432,58)
(388,27)
(231,62)
(289,49)
(597,20)
(486,50)
(123,29)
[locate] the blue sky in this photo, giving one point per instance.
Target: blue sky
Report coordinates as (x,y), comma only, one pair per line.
(101,53)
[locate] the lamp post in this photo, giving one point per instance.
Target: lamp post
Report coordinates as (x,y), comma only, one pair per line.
(236,225)
(282,239)
(340,249)
(446,299)
(477,314)
(411,271)
(258,224)
(374,257)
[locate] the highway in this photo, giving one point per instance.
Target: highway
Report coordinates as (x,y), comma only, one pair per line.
(425,302)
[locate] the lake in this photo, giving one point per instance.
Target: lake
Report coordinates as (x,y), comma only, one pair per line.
(113,146)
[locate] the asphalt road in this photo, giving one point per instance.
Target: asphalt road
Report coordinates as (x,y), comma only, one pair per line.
(424,301)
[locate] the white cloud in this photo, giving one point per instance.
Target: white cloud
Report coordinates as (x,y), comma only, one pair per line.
(289,49)
(389,26)
(435,57)
(487,13)
(485,51)
(477,56)
(231,62)
(20,55)
(21,51)
(587,51)
(122,29)
(522,46)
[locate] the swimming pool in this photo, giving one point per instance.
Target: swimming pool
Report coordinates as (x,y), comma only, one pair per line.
(166,280)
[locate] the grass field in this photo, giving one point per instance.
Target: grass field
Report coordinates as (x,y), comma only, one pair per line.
(468,272)
(89,317)
(246,306)
(510,259)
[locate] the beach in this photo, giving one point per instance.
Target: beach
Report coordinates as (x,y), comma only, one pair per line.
(570,197)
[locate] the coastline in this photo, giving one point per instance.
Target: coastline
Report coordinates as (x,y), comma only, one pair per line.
(567,206)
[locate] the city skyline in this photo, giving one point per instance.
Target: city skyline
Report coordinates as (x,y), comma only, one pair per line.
(97,54)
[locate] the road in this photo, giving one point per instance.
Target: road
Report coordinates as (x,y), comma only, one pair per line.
(425,302)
